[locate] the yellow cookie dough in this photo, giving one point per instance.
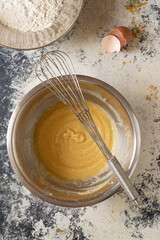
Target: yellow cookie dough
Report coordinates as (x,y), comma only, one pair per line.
(64,146)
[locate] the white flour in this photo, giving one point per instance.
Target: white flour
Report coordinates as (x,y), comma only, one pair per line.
(29,15)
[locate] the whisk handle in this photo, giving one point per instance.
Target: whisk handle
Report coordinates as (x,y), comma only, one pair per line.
(124,180)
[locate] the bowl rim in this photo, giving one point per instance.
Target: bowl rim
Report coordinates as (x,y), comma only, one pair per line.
(45,45)
(81,203)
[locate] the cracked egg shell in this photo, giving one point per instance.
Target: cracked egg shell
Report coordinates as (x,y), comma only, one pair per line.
(111,44)
(124,34)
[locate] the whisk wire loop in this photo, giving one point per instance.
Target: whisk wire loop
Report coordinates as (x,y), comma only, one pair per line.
(58,65)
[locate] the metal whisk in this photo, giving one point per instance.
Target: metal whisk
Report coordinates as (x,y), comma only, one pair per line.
(58,65)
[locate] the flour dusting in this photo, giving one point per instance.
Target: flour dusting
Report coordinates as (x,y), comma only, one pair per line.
(29,15)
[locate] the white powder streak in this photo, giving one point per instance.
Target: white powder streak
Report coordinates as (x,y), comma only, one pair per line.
(29,15)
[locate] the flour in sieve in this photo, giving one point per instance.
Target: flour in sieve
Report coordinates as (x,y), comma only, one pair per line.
(29,15)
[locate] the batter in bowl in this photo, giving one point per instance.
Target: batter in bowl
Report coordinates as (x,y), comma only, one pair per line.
(64,146)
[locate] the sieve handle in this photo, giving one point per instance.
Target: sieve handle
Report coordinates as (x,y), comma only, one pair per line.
(124,180)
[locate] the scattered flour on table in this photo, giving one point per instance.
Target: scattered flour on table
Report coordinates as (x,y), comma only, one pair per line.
(29,15)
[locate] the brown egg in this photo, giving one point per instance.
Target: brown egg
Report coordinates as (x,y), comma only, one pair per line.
(111,44)
(122,33)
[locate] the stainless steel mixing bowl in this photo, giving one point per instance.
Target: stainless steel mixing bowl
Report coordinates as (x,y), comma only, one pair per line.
(36,178)
(19,40)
